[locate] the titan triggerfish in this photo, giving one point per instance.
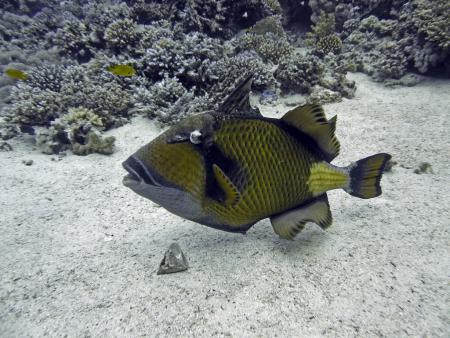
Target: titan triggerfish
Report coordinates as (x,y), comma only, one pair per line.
(231,167)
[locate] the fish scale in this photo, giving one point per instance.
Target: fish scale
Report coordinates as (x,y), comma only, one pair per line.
(275,169)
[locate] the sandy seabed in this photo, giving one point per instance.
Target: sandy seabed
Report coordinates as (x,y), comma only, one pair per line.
(79,252)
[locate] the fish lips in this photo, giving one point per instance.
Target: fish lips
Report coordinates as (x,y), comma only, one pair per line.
(138,173)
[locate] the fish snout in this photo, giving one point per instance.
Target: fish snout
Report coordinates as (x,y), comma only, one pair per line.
(138,172)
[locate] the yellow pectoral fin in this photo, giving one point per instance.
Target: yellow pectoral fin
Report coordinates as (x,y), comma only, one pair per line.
(232,194)
(324,177)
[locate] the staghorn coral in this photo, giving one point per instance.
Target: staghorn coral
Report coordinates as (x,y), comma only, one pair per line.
(298,73)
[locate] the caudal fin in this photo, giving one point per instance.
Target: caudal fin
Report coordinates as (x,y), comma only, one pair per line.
(365,176)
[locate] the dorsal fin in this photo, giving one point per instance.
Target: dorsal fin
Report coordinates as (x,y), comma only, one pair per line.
(238,102)
(232,194)
(311,120)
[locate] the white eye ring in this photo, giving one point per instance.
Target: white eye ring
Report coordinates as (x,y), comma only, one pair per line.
(195,137)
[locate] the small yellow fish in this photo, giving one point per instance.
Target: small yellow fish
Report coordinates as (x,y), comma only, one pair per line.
(232,167)
(16,74)
(122,70)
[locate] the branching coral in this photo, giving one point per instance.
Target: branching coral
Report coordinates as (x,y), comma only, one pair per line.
(51,90)
(224,73)
(329,44)
(268,38)
(187,58)
(325,26)
(298,73)
(168,101)
(269,46)
(74,39)
(121,35)
(185,61)
(432,19)
(416,35)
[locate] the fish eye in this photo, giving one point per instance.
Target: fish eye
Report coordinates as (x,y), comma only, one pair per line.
(195,137)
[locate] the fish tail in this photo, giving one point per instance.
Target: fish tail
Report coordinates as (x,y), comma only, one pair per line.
(365,176)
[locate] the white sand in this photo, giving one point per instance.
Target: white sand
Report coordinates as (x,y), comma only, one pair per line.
(79,252)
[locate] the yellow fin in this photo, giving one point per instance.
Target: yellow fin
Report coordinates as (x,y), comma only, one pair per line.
(311,120)
(232,194)
(288,224)
(324,176)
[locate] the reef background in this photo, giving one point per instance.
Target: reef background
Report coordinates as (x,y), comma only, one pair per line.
(79,252)
(189,54)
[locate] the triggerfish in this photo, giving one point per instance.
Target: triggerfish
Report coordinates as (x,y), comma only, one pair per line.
(232,167)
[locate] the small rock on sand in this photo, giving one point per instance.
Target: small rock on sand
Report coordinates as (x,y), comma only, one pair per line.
(28,162)
(173,261)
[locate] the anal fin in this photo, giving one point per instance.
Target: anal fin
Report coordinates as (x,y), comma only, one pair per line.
(288,224)
(232,194)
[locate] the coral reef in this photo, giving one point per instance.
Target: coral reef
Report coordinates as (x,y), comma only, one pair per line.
(188,55)
(268,39)
(52,89)
(162,101)
(387,38)
(329,44)
(78,130)
(299,73)
(224,74)
(324,26)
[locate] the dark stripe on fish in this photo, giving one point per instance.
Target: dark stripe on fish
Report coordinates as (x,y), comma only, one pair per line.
(139,170)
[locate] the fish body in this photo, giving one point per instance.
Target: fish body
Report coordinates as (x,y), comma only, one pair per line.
(232,168)
(16,74)
(122,70)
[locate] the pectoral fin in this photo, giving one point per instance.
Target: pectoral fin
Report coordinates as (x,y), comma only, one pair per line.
(288,224)
(232,194)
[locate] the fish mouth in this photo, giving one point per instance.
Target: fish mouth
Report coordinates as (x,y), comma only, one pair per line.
(138,173)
